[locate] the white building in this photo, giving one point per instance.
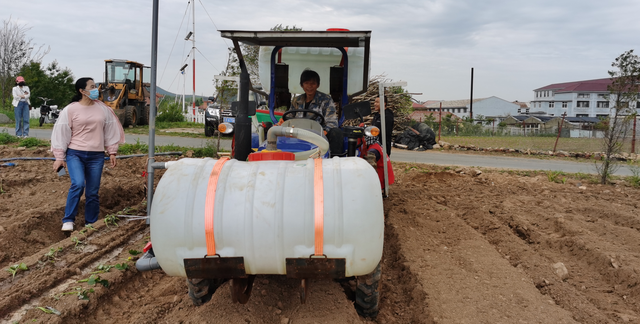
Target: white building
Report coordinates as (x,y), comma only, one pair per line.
(492,107)
(578,99)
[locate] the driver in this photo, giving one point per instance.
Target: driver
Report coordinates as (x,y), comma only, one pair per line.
(312,99)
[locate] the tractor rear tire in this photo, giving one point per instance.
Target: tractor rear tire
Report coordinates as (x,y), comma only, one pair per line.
(368,293)
(143,119)
(201,290)
(130,116)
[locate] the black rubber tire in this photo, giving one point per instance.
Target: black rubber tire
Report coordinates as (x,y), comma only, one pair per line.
(41,121)
(130,116)
(209,131)
(143,119)
(368,293)
(201,290)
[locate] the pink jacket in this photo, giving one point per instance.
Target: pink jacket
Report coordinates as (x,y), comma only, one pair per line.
(86,128)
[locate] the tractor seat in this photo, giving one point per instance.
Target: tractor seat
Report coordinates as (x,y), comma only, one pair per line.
(307,124)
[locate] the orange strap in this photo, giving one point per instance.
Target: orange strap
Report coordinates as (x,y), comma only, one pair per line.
(318,193)
(209,204)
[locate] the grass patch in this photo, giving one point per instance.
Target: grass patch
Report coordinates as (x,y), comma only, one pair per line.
(537,143)
(209,150)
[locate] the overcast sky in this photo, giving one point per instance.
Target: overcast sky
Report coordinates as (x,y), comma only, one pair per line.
(514,46)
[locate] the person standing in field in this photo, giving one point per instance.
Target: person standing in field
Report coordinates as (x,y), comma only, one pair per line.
(21,94)
(85,129)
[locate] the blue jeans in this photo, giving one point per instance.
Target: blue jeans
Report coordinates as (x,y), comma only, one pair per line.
(85,171)
(21,112)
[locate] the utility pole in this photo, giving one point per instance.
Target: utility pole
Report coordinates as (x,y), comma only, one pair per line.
(471,100)
(193,55)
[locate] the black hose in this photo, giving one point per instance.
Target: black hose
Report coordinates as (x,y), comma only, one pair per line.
(106,158)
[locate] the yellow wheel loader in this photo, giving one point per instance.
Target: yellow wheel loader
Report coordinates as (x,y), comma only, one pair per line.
(125,90)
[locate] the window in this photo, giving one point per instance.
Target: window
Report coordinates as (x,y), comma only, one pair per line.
(582,115)
(551,104)
(602,96)
(582,104)
(603,104)
(565,104)
(583,95)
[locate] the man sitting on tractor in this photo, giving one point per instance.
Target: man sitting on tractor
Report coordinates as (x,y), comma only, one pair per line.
(321,103)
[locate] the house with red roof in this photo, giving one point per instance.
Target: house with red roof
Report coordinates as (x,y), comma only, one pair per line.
(587,98)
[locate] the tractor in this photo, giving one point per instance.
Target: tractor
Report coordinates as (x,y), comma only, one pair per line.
(125,90)
(284,207)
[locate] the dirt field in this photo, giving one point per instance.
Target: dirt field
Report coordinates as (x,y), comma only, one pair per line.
(459,248)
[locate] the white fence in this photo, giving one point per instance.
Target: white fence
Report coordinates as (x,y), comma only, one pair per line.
(197,118)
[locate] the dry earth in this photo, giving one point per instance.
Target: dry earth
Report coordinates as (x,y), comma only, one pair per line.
(459,248)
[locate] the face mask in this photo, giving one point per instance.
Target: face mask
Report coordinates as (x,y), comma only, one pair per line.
(94,94)
(21,84)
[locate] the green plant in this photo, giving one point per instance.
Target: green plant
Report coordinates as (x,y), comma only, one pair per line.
(111,220)
(51,255)
(83,294)
(635,170)
(554,176)
(32,142)
(5,138)
(122,266)
(170,112)
(134,252)
(94,280)
(15,268)
(49,310)
(78,243)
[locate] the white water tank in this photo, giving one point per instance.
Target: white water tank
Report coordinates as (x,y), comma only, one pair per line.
(264,212)
(319,59)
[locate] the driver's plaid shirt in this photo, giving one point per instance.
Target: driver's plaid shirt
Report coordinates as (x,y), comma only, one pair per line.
(321,103)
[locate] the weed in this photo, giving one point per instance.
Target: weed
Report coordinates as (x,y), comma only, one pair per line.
(635,170)
(122,266)
(134,252)
(32,142)
(111,220)
(5,138)
(554,176)
(564,180)
(49,310)
(409,169)
(94,280)
(15,268)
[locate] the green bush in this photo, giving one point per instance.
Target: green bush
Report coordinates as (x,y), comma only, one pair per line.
(6,138)
(170,112)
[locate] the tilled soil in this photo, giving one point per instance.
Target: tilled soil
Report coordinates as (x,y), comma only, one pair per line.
(459,248)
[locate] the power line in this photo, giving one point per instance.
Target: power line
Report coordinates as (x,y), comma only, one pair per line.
(214,24)
(208,60)
(174,44)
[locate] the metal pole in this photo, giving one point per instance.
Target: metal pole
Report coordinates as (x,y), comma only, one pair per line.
(193,56)
(383,130)
(559,131)
(633,139)
(440,123)
(152,107)
(471,100)
(243,123)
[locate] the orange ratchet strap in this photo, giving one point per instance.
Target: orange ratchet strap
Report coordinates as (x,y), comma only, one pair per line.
(318,194)
(209,204)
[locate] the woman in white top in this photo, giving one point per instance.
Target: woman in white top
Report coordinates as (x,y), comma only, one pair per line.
(21,94)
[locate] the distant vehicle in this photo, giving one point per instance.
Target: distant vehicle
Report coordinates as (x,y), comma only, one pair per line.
(48,113)
(221,109)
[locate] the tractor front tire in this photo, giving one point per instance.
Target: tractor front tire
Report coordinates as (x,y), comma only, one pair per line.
(368,293)
(201,290)
(130,116)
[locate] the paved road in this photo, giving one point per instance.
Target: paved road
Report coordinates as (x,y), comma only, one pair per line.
(431,157)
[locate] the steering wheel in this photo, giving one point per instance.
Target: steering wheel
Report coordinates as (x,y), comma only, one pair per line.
(293,113)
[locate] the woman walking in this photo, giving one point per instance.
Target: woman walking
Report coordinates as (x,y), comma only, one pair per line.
(83,131)
(21,94)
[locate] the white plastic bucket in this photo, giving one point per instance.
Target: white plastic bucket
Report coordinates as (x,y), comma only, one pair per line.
(319,59)
(264,212)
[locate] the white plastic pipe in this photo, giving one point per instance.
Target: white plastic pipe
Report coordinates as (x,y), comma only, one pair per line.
(299,133)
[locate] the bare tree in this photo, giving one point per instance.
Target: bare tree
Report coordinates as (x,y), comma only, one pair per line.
(623,92)
(16,50)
